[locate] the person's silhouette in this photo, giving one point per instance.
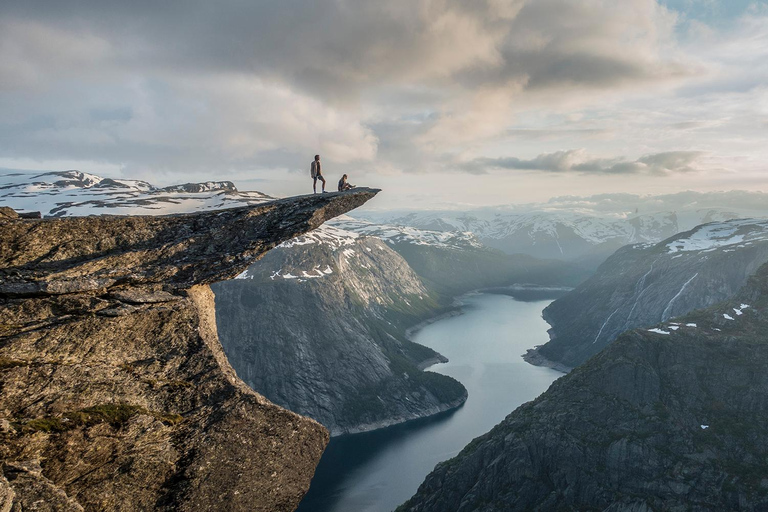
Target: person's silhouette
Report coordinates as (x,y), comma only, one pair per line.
(316,171)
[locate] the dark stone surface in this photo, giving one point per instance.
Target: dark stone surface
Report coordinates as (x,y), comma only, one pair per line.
(115,393)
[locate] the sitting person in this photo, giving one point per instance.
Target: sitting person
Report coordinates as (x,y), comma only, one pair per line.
(343,185)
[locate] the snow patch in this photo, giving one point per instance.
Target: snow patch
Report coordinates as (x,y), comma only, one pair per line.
(710,237)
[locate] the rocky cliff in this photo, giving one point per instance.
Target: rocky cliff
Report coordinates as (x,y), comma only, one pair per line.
(668,418)
(115,393)
(645,284)
(318,326)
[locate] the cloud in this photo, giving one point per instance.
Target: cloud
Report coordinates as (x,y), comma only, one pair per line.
(401,85)
(579,162)
(226,123)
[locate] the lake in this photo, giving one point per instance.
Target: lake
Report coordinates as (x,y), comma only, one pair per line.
(377,471)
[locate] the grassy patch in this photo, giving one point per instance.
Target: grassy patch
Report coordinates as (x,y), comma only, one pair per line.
(48,425)
(116,415)
(6,363)
(178,384)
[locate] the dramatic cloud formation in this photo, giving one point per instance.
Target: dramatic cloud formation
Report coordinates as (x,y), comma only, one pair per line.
(175,90)
(578,161)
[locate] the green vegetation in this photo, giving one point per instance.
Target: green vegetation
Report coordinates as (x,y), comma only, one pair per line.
(6,363)
(116,415)
(47,425)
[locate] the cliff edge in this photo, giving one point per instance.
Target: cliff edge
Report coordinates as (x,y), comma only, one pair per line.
(115,393)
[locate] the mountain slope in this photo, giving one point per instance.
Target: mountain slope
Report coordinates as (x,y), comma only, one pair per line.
(453,262)
(645,284)
(75,193)
(318,326)
(668,418)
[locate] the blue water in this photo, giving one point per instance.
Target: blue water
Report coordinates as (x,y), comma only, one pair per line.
(377,471)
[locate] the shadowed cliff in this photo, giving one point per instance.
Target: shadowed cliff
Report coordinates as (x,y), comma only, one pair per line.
(115,393)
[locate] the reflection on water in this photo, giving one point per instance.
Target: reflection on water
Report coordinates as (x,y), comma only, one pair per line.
(377,471)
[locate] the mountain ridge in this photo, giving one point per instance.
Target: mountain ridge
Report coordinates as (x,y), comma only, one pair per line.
(644,284)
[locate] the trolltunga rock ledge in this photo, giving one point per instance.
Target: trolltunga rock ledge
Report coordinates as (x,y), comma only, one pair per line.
(115,393)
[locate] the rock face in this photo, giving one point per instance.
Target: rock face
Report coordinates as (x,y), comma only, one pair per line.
(669,418)
(318,326)
(115,393)
(642,285)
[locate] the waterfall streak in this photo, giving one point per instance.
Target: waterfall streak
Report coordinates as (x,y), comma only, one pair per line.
(664,315)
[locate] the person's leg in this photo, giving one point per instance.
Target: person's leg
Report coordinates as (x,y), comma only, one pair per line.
(323,180)
(314,185)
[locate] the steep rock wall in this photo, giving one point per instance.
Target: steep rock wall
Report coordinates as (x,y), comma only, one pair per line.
(115,393)
(318,326)
(645,284)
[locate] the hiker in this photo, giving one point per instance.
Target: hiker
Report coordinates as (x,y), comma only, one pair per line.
(343,185)
(317,173)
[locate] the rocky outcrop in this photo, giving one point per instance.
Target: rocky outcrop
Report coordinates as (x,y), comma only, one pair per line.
(668,418)
(642,285)
(318,326)
(115,393)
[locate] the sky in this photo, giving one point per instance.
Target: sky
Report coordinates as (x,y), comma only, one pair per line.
(441,103)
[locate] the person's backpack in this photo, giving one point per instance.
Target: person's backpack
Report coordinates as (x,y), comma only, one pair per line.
(313,170)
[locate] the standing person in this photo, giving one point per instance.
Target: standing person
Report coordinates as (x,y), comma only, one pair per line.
(343,185)
(317,173)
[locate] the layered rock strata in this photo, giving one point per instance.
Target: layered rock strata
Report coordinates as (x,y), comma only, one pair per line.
(115,393)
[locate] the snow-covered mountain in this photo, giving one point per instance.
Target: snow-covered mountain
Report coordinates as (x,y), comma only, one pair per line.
(395,235)
(75,193)
(561,233)
(646,284)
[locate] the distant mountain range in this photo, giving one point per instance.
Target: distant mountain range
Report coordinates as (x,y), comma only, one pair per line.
(75,193)
(586,230)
